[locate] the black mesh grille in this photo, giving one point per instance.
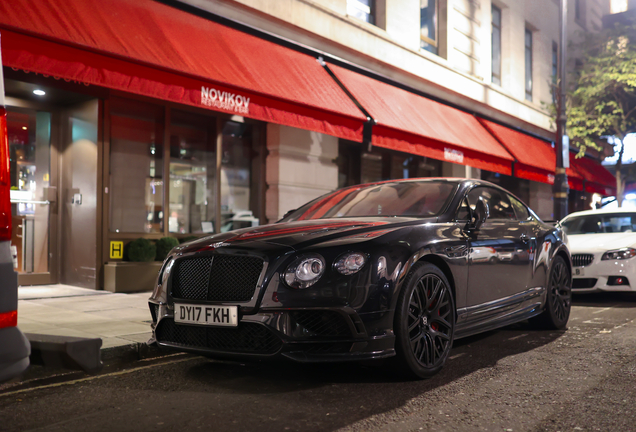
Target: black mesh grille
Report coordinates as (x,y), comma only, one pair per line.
(583,282)
(582,260)
(321,323)
(191,278)
(217,278)
(246,338)
(234,278)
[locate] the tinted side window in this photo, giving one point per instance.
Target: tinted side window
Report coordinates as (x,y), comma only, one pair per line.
(463,214)
(521,210)
(498,203)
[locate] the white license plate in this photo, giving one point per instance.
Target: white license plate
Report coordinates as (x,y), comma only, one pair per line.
(578,271)
(206,315)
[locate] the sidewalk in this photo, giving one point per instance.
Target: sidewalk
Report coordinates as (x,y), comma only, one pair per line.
(118,319)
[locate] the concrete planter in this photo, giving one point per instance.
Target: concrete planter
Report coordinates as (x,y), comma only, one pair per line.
(126,277)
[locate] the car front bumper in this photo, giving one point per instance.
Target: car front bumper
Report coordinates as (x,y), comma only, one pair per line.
(303,335)
(596,277)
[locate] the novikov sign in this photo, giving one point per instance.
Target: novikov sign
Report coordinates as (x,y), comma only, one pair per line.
(453,155)
(225,100)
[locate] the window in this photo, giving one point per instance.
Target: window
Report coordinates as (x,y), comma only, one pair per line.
(520,210)
(362,9)
(192,173)
(555,71)
(496,45)
(605,223)
(356,166)
(579,12)
(429,25)
(528,43)
(497,201)
(412,199)
(136,167)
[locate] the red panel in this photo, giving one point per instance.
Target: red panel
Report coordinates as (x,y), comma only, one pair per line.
(414,124)
(8,319)
(597,178)
(172,56)
(5,181)
(536,159)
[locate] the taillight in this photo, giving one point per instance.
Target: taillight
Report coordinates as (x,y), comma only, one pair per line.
(5,181)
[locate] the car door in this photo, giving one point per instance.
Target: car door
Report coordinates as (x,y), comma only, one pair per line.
(526,242)
(498,268)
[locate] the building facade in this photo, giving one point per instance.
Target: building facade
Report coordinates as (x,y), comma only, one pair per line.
(180,119)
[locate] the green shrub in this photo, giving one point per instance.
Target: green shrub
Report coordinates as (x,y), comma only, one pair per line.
(140,250)
(164,246)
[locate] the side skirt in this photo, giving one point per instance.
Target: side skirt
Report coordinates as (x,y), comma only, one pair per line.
(498,313)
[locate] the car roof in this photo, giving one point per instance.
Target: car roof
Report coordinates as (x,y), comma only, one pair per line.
(601,212)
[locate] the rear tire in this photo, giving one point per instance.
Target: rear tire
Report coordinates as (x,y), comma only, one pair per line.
(558,298)
(424,322)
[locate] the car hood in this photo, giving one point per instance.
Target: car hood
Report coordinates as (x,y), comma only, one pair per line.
(300,234)
(600,242)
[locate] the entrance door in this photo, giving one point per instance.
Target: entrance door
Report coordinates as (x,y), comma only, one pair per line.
(33,193)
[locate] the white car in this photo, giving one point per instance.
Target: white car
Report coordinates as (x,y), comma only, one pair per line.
(603,248)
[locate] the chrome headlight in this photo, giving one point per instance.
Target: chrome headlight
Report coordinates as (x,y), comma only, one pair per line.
(350,263)
(305,271)
(619,254)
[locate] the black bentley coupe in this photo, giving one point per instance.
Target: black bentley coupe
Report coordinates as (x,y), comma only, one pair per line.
(397,269)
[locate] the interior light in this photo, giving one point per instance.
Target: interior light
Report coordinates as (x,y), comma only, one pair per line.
(39,92)
(24,128)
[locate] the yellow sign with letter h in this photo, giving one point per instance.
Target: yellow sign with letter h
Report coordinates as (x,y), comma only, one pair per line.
(116,250)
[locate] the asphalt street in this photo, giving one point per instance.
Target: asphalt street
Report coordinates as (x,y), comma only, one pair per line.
(514,379)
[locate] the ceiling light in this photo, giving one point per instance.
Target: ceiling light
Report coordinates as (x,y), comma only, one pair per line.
(24,128)
(39,92)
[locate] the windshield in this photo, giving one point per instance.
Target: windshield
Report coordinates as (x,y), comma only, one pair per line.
(601,223)
(413,199)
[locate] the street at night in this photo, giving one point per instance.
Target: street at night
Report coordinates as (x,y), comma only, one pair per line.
(514,379)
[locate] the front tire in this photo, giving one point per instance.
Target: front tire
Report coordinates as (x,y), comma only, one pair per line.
(424,322)
(558,298)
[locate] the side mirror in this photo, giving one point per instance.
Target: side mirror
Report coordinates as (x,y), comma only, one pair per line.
(481,213)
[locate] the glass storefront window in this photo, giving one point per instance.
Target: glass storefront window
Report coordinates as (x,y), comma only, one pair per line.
(192,173)
(236,177)
(136,167)
(29,134)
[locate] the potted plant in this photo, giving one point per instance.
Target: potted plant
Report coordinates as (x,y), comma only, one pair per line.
(138,271)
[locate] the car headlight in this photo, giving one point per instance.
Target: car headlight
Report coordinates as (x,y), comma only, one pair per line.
(305,271)
(619,254)
(350,263)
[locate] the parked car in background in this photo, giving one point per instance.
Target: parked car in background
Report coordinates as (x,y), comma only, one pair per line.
(603,247)
(14,347)
(393,269)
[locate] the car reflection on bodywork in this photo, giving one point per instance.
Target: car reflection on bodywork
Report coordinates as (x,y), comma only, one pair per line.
(397,270)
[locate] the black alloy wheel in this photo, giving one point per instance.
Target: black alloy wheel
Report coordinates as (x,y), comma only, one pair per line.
(424,322)
(558,298)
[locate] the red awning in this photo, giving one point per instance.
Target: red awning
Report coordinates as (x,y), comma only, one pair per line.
(151,49)
(414,124)
(536,159)
(597,178)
